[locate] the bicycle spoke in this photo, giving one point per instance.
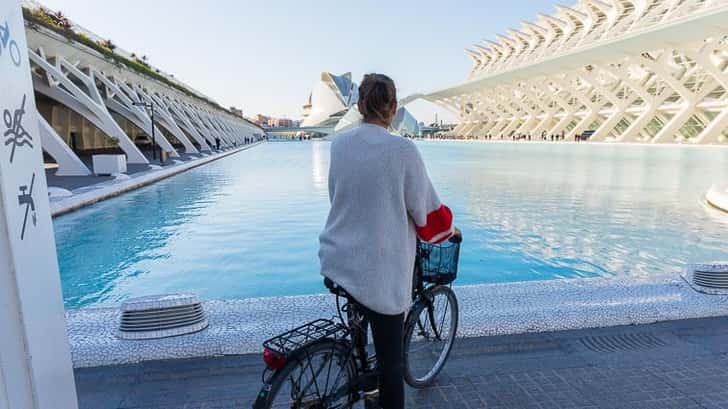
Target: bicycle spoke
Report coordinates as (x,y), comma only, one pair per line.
(328,372)
(314,377)
(431,335)
(433,323)
(444,314)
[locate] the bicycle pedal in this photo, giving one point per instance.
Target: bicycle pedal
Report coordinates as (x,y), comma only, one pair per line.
(371,399)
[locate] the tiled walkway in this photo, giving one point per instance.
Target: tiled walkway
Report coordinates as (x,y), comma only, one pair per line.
(680,365)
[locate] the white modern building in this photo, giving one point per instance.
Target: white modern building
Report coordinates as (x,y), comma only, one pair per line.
(405,123)
(94,97)
(331,98)
(652,71)
(333,103)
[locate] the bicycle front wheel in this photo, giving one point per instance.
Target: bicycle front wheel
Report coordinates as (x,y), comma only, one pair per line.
(319,377)
(429,334)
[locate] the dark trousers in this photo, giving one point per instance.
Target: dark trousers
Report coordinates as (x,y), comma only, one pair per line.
(387,331)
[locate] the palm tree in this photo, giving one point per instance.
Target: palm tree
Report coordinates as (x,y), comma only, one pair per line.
(61,20)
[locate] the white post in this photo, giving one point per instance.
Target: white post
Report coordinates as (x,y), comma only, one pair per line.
(35,358)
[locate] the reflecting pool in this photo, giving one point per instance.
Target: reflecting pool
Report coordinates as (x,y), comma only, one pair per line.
(247,225)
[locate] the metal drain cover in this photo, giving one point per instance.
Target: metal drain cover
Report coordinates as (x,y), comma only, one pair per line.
(710,278)
(161,316)
(621,342)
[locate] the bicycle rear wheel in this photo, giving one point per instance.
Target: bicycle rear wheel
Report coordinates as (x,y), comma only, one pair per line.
(429,334)
(314,379)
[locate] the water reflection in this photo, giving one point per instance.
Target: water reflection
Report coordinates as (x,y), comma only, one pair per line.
(320,165)
(567,211)
(247,225)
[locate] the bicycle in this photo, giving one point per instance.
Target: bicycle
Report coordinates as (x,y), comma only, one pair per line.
(326,363)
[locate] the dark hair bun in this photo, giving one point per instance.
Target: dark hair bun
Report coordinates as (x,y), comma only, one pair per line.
(377,98)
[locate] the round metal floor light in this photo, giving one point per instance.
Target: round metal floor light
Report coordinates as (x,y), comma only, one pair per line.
(708,277)
(161,316)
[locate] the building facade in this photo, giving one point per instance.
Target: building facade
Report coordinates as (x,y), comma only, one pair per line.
(652,71)
(94,97)
(332,96)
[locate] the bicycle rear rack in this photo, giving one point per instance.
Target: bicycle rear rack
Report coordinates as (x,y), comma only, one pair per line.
(306,334)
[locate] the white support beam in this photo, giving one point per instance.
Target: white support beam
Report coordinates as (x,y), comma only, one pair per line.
(119,102)
(166,119)
(184,122)
(69,164)
(88,103)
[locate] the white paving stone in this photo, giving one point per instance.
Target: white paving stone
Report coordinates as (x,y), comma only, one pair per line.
(123,183)
(240,326)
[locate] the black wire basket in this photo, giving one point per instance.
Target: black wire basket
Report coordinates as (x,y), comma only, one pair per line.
(439,262)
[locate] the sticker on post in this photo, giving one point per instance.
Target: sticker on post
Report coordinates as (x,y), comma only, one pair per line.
(16,135)
(25,198)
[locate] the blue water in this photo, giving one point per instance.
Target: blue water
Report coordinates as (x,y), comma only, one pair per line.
(247,225)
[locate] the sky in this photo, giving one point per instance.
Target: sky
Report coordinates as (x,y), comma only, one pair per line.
(266,56)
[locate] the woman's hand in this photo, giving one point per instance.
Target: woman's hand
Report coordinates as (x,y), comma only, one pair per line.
(457,236)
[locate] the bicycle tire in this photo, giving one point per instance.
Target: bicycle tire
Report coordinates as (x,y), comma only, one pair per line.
(413,358)
(269,396)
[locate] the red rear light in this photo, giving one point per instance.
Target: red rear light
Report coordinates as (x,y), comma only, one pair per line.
(273,360)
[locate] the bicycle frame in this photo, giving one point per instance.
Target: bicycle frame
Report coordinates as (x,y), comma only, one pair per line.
(350,337)
(421,294)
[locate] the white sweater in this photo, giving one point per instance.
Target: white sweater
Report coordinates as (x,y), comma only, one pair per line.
(381,200)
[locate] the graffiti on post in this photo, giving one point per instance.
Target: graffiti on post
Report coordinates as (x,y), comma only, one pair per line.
(7,44)
(25,198)
(16,135)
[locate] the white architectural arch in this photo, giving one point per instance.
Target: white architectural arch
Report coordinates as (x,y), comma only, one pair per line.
(93,85)
(122,104)
(69,164)
(626,70)
(87,102)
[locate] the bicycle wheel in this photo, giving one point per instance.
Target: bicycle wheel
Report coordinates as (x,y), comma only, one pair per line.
(318,377)
(429,335)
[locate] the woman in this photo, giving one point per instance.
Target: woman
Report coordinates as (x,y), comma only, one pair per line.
(381,201)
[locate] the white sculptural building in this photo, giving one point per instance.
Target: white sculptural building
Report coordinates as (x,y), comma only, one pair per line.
(620,70)
(95,97)
(333,103)
(331,98)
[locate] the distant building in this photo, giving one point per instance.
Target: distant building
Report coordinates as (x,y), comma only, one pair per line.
(332,96)
(260,119)
(281,123)
(332,103)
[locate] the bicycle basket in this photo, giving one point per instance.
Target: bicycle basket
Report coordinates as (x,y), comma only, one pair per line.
(304,335)
(438,262)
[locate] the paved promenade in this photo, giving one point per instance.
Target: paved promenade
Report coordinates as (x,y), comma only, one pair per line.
(679,364)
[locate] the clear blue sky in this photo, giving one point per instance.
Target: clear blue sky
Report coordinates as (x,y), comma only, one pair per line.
(265,56)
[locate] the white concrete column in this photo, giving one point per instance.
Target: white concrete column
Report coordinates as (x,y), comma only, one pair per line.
(35,357)
(69,164)
(118,101)
(88,103)
(164,117)
(183,122)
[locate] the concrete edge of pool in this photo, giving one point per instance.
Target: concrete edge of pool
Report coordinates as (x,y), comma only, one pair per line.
(717,196)
(239,326)
(89,195)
